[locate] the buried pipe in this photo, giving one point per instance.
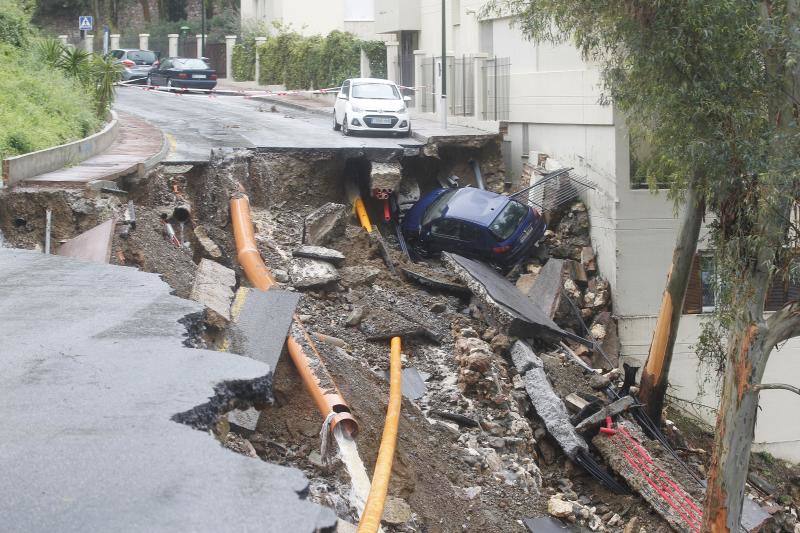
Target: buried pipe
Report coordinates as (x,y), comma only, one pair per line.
(373,511)
(361,211)
(325,394)
(476,169)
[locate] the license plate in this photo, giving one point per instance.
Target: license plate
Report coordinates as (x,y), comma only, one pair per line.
(381,120)
(199,76)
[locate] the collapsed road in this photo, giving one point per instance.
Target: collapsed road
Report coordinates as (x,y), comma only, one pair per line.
(503,374)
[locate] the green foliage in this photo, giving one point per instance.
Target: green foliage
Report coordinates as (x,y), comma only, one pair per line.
(15,26)
(299,62)
(244,60)
(104,74)
(39,107)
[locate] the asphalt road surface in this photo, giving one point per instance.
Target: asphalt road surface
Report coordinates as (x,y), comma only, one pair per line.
(196,123)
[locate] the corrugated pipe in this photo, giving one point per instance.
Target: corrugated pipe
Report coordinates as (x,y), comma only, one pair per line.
(361,211)
(317,380)
(373,511)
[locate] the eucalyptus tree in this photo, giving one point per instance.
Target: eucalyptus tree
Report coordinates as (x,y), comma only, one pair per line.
(713,89)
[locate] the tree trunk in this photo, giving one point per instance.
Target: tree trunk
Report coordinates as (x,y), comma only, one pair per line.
(145,9)
(736,420)
(656,370)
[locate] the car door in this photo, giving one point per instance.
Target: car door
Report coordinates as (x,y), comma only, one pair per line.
(341,101)
(445,236)
(161,72)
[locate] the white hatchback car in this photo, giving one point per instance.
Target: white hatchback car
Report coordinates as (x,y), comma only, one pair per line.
(368,104)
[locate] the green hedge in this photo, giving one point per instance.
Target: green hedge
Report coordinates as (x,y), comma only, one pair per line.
(299,62)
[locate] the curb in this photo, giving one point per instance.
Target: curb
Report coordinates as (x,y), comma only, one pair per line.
(322,111)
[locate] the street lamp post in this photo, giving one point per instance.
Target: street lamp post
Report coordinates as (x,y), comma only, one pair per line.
(203,28)
(443,101)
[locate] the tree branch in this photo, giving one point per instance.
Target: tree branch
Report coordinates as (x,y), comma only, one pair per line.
(783,386)
(784,324)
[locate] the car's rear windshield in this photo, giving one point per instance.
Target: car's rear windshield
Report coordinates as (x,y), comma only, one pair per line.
(190,63)
(437,208)
(142,56)
(376,91)
(508,220)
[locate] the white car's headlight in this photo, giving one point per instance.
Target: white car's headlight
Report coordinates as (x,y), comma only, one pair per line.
(356,109)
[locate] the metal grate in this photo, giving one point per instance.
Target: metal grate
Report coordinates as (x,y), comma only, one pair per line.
(496,81)
(425,90)
(461,85)
(553,189)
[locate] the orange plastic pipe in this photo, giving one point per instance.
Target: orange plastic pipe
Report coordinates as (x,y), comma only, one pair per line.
(328,400)
(361,211)
(373,510)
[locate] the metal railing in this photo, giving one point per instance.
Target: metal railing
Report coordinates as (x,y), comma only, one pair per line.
(553,189)
(461,85)
(496,80)
(426,100)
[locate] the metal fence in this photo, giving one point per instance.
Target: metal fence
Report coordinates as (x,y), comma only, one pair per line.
(461,85)
(496,79)
(426,101)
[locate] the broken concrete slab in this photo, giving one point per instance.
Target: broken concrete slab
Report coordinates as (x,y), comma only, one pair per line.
(551,525)
(623,452)
(413,383)
(502,304)
(356,276)
(93,245)
(615,408)
(103,381)
(320,253)
(244,419)
(311,274)
(213,287)
(261,322)
(434,283)
(325,224)
(546,290)
(385,176)
(548,405)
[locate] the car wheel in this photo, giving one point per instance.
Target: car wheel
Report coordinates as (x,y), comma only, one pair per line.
(336,125)
(169,83)
(149,81)
(345,127)
(408,133)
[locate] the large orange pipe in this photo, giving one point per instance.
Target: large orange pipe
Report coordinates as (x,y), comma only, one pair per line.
(373,511)
(327,398)
(361,211)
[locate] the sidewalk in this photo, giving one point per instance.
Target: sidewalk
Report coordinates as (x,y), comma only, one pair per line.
(139,145)
(425,127)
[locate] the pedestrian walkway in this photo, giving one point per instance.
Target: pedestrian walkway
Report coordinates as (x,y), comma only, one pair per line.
(139,144)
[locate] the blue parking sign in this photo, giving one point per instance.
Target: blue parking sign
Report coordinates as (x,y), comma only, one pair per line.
(85,23)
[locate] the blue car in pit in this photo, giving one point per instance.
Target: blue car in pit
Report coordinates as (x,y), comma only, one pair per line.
(473,223)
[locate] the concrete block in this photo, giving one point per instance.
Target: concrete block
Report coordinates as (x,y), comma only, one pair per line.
(310,273)
(213,287)
(325,224)
(385,176)
(320,253)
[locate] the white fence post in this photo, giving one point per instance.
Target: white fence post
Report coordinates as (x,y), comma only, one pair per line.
(230,42)
(144,41)
(419,90)
(173,44)
(64,39)
(88,43)
(259,41)
(114,44)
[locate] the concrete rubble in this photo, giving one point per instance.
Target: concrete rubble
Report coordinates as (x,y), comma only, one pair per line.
(324,225)
(310,273)
(213,287)
(320,253)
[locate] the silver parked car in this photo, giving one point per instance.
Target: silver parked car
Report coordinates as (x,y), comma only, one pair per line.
(136,64)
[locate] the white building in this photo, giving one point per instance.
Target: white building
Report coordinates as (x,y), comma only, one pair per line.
(311,17)
(550,101)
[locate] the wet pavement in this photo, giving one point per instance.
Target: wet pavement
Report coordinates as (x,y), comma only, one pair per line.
(197,123)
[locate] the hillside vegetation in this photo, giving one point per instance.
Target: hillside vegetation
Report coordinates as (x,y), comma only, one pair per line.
(40,106)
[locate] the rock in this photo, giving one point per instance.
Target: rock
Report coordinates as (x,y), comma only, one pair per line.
(598,331)
(356,316)
(355,276)
(492,460)
(213,287)
(632,526)
(588,260)
(523,359)
(396,511)
(280,275)
(325,224)
(500,343)
(438,307)
(498,443)
(316,459)
(525,282)
(321,253)
(470,493)
(572,290)
(614,520)
(547,451)
(489,334)
(599,381)
(474,354)
(559,508)
(209,247)
(468,333)
(310,273)
(385,176)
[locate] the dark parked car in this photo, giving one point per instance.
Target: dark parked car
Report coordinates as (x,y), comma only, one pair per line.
(136,64)
(474,223)
(184,72)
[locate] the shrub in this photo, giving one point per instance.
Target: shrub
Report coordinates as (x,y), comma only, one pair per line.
(15,26)
(244,60)
(39,107)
